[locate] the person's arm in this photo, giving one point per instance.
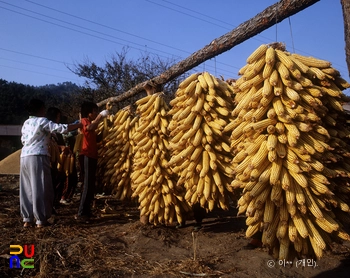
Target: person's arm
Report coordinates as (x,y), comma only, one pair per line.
(74,126)
(94,123)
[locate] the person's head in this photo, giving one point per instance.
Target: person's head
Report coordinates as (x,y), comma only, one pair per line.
(89,110)
(36,107)
(54,114)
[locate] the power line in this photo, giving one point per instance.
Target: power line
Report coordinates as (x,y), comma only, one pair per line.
(115,29)
(207,16)
(207,21)
(30,64)
(59,25)
(108,27)
(38,72)
(84,28)
(35,56)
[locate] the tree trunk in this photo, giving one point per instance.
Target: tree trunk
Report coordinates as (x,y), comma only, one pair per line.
(262,21)
(346,15)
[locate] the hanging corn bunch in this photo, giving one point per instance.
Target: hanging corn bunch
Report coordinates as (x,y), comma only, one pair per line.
(152,181)
(200,151)
(291,151)
(54,153)
(115,155)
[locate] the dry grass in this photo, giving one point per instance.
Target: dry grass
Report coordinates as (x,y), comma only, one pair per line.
(120,246)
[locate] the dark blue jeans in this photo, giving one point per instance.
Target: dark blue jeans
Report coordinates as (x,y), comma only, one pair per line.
(88,167)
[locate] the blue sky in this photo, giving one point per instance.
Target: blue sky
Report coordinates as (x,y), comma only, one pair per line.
(40,38)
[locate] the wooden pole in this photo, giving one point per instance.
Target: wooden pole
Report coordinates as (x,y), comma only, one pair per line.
(262,21)
(346,15)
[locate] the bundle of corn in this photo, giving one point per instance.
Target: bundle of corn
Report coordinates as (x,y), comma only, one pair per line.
(289,123)
(152,180)
(104,127)
(201,154)
(54,153)
(115,155)
(65,163)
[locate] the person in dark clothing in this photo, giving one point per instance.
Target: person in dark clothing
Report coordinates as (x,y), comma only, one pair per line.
(199,214)
(88,157)
(58,177)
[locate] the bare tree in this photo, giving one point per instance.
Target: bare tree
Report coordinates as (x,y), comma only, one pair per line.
(120,74)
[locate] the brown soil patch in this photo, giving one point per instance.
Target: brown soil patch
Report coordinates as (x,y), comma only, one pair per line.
(120,246)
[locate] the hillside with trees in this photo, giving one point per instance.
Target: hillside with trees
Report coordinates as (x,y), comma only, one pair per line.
(116,76)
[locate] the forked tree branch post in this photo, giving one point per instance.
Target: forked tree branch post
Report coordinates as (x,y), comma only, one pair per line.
(262,21)
(346,15)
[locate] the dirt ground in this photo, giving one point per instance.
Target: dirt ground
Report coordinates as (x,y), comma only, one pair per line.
(118,245)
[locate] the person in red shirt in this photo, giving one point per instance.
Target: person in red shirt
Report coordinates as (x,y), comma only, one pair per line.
(90,118)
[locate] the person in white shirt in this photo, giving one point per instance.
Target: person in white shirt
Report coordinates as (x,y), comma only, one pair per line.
(36,190)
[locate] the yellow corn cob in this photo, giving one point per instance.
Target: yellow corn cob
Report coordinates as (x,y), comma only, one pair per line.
(314,233)
(203,82)
(292,231)
(261,198)
(336,104)
(185,83)
(260,155)
(243,69)
(305,82)
(311,204)
(281,149)
(299,64)
(280,128)
(268,69)
(276,195)
(269,212)
(271,113)
(272,156)
(278,106)
(276,168)
(311,61)
(270,56)
(262,174)
(300,225)
(252,230)
(257,53)
(282,231)
(272,142)
(208,79)
(263,124)
(321,130)
(293,130)
(341,83)
(282,70)
(314,91)
(190,89)
(327,226)
(282,138)
(271,129)
(299,178)
(292,94)
(269,234)
(285,59)
(274,77)
(265,101)
(342,235)
(316,73)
